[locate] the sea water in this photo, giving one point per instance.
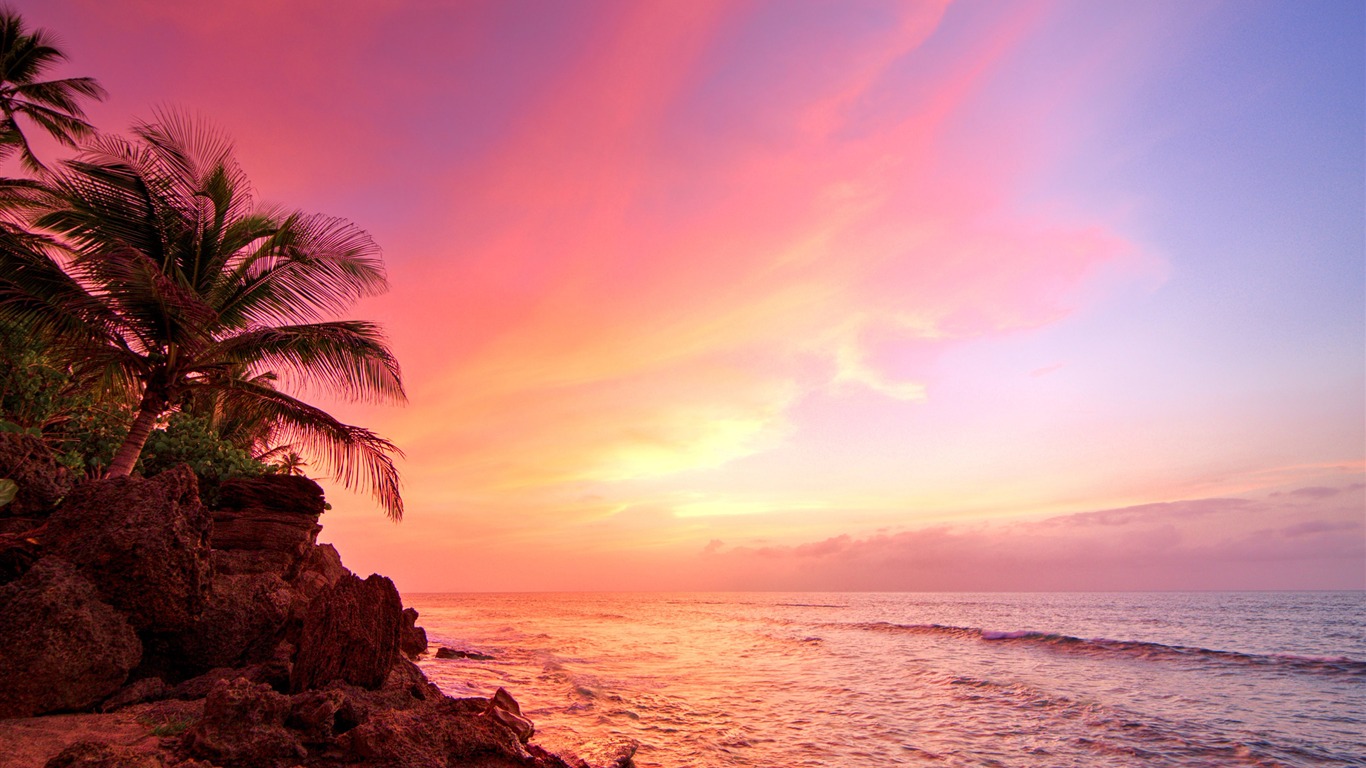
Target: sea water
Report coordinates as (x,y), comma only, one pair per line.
(887,679)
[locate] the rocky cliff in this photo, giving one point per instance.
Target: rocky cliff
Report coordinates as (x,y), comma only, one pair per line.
(229,634)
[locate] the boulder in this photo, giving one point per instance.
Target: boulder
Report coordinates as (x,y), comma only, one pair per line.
(450,653)
(244,727)
(242,622)
(405,687)
(61,647)
(137,692)
(266,524)
(144,543)
(349,633)
(504,709)
(282,493)
(449,732)
(321,716)
(412,639)
(320,570)
(42,482)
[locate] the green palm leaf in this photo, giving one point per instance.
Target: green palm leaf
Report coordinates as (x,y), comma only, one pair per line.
(159,274)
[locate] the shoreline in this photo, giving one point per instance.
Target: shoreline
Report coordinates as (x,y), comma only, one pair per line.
(143,628)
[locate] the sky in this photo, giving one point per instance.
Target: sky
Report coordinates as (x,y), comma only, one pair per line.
(822,296)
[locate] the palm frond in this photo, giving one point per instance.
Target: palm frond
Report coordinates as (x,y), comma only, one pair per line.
(349,357)
(311,268)
(359,459)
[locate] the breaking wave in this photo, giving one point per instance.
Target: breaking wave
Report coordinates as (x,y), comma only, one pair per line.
(1138,649)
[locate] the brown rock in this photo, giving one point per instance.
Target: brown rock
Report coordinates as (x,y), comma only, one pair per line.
(450,653)
(321,716)
(137,692)
(349,633)
(504,709)
(144,543)
(321,569)
(42,482)
(450,732)
(244,727)
(406,686)
(266,524)
(61,648)
(284,493)
(243,620)
(273,673)
(412,639)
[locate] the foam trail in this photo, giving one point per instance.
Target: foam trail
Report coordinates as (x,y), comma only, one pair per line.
(1137,649)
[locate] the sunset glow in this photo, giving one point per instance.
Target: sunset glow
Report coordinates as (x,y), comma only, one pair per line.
(872,296)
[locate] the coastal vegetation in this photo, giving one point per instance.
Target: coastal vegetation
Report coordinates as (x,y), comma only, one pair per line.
(154,311)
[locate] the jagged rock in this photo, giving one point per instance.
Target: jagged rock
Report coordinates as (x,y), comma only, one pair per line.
(144,543)
(273,673)
(321,716)
(450,653)
(504,709)
(266,524)
(285,493)
(406,686)
(243,620)
(94,754)
(244,727)
(349,633)
(321,569)
(42,482)
(61,648)
(137,692)
(450,732)
(412,639)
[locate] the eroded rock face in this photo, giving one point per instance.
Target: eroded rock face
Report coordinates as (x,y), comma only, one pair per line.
(266,524)
(244,727)
(144,543)
(61,647)
(450,732)
(43,482)
(412,639)
(350,633)
(505,709)
(242,622)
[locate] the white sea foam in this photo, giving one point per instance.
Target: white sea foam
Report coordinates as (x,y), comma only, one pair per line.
(712,681)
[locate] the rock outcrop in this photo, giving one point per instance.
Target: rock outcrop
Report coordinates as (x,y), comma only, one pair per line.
(244,727)
(350,633)
(63,648)
(42,482)
(412,639)
(266,524)
(243,642)
(144,543)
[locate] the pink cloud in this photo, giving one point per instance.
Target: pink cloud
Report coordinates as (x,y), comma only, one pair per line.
(1187,545)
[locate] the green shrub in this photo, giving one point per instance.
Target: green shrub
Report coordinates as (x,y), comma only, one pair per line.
(192,440)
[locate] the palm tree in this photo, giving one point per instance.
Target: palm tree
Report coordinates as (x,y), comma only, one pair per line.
(53,105)
(155,272)
(291,464)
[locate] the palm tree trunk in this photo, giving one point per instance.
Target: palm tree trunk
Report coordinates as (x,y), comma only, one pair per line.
(127,455)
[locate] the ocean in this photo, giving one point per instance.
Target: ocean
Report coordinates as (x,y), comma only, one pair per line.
(920,679)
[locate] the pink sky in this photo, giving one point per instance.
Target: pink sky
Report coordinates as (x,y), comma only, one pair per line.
(857,296)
